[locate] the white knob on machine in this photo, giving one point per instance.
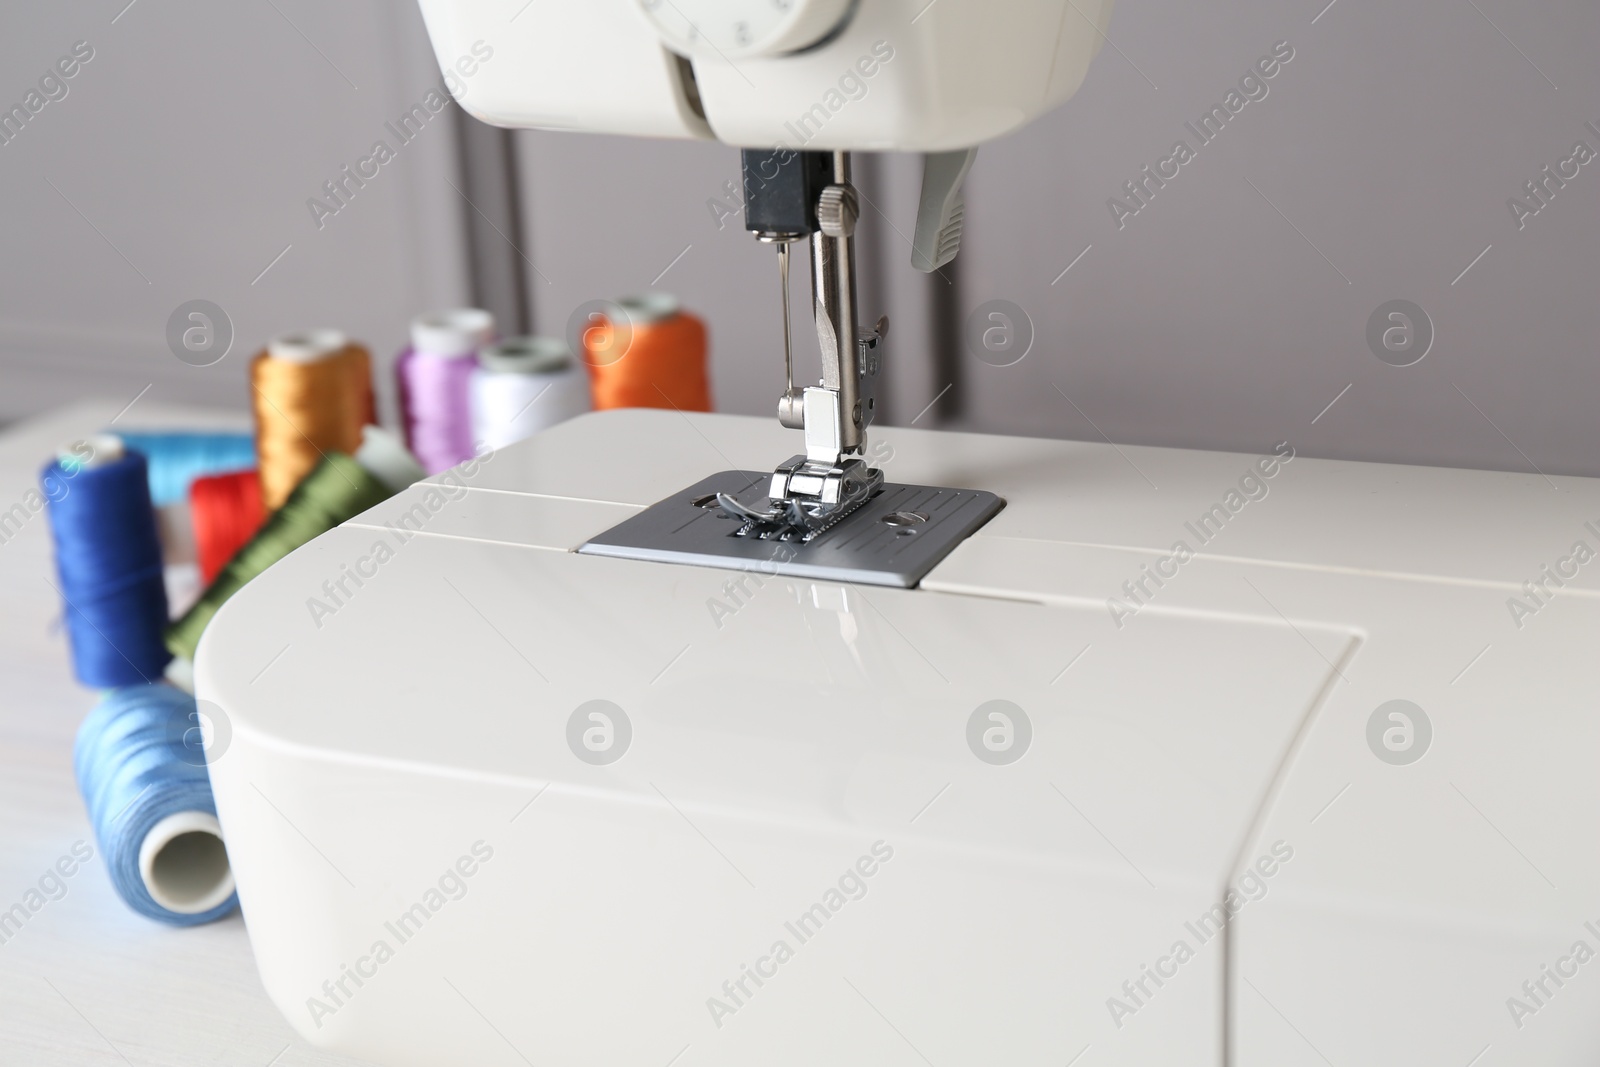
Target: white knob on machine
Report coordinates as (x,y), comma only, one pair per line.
(743,29)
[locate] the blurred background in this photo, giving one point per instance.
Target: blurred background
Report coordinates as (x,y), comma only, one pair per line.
(1231,311)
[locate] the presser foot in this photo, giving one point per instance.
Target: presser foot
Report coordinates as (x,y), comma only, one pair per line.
(805,499)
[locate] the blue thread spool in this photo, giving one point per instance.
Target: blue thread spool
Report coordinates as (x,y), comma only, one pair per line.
(141,766)
(177,458)
(108,560)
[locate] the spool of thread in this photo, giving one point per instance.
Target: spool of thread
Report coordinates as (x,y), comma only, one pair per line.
(340,488)
(434,377)
(108,562)
(176,459)
(523,385)
(141,768)
(312,394)
(657,359)
(226,512)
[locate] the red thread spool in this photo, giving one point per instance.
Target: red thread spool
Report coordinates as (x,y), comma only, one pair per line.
(226,511)
(656,359)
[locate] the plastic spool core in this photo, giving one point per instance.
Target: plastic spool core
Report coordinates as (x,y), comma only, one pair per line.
(386,459)
(180,672)
(526,355)
(452,334)
(104,448)
(649,307)
(307,346)
(184,863)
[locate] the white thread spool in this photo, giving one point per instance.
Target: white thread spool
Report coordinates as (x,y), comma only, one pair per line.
(523,385)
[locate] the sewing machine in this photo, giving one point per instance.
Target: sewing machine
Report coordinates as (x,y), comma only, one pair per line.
(637,742)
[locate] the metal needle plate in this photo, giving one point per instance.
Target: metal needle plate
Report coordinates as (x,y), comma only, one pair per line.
(894,539)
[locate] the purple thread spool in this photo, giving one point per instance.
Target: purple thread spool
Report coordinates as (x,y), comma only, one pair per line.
(434,375)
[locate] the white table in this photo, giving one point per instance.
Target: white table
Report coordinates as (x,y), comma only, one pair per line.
(86,981)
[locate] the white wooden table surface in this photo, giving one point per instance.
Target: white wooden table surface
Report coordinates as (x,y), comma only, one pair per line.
(86,981)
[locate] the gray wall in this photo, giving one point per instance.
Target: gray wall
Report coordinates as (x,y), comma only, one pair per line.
(178,167)
(1227,313)
(1389,145)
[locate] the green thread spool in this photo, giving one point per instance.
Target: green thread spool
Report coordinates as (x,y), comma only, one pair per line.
(337,490)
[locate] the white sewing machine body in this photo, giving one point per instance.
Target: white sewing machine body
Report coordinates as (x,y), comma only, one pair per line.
(905,75)
(406,797)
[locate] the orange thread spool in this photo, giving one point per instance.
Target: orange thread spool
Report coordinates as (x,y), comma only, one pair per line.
(656,359)
(226,512)
(312,394)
